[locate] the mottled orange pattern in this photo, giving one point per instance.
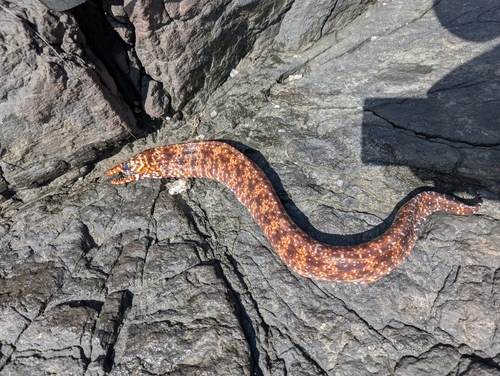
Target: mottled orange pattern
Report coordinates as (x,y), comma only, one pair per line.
(363,263)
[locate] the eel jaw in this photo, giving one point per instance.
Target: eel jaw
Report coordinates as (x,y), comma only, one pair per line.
(124,169)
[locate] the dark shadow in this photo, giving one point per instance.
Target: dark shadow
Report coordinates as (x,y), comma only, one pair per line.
(452,137)
(242,314)
(109,54)
(109,48)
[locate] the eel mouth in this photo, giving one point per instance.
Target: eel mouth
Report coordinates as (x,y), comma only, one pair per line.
(126,175)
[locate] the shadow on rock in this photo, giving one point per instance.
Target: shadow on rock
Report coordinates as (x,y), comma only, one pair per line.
(453,134)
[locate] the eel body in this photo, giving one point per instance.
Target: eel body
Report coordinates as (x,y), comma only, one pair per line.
(363,263)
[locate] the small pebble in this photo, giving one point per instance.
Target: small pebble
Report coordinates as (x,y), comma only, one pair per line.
(178,186)
(294,77)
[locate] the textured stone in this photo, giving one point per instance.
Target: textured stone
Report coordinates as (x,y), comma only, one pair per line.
(192,46)
(59,108)
(156,102)
(146,278)
(307,21)
(60,5)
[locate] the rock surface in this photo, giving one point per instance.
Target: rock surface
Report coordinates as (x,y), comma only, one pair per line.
(190,47)
(59,107)
(71,81)
(174,277)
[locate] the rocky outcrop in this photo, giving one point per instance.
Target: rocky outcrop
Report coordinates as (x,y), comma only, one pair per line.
(82,74)
(174,276)
(59,107)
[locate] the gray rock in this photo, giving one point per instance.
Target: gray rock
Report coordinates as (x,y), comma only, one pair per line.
(60,5)
(192,46)
(59,107)
(156,102)
(148,278)
(307,21)
(73,83)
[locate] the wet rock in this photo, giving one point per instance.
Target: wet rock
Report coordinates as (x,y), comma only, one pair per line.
(307,21)
(192,47)
(156,102)
(59,106)
(153,278)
